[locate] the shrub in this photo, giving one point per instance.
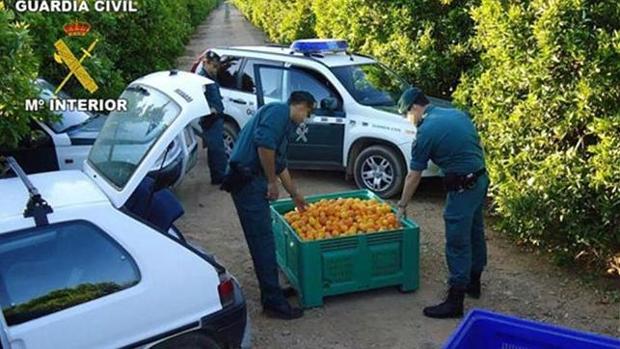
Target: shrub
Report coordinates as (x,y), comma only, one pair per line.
(546,97)
(16,81)
(427,42)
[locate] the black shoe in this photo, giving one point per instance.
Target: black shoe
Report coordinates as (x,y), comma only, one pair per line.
(282,311)
(473,289)
(452,307)
(289,292)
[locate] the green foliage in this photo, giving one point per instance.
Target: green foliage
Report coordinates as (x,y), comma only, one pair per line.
(129,45)
(546,97)
(15,81)
(282,20)
(425,41)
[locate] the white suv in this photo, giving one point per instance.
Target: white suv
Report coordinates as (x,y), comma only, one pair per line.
(362,134)
(91,259)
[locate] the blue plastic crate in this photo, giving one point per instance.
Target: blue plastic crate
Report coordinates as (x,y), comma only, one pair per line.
(483,329)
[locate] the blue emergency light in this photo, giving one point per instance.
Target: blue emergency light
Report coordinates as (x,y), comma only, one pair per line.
(310,46)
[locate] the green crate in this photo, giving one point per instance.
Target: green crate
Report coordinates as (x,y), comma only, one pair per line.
(347,264)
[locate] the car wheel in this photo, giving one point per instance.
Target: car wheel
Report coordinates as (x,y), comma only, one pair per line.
(379,169)
(231,132)
(189,341)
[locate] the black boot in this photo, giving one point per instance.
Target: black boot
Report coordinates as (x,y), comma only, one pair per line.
(473,289)
(452,307)
(282,310)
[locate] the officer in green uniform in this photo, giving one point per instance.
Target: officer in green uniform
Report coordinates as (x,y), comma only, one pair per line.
(257,161)
(213,124)
(449,138)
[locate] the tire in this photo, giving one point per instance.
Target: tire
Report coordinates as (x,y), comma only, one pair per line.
(380,169)
(231,132)
(189,341)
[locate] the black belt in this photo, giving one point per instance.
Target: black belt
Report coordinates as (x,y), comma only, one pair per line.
(459,183)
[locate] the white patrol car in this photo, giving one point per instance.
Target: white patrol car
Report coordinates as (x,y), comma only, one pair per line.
(362,134)
(64,144)
(82,265)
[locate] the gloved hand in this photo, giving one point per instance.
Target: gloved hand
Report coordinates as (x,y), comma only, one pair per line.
(401,213)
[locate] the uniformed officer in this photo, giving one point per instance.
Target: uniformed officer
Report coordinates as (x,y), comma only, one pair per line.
(213,124)
(258,159)
(449,138)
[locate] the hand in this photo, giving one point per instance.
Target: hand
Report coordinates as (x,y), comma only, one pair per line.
(401,213)
(300,202)
(272,191)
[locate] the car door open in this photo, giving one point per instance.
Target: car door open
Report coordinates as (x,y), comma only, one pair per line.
(317,143)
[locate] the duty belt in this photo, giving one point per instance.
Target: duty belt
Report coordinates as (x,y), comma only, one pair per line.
(460,183)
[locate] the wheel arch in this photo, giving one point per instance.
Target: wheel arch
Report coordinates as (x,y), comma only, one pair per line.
(365,142)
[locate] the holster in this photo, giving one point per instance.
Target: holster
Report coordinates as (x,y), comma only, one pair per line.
(237,178)
(459,183)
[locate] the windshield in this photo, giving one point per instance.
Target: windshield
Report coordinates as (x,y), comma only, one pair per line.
(69,118)
(371,84)
(128,136)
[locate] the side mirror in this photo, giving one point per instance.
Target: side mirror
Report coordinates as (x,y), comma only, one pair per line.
(329,104)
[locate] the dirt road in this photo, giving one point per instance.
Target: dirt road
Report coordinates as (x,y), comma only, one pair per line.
(516,282)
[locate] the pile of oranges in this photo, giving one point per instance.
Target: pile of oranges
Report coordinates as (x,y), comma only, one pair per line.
(342,217)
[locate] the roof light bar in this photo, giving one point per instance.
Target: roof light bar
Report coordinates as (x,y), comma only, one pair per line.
(310,46)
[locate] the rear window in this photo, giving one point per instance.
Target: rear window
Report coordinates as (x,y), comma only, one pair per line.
(55,267)
(126,137)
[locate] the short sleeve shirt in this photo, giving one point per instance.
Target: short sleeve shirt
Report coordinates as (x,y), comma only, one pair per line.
(449,138)
(269,128)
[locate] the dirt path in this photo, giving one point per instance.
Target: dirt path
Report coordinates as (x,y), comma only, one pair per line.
(516,282)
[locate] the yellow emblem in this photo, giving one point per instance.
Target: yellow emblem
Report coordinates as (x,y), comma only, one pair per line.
(63,55)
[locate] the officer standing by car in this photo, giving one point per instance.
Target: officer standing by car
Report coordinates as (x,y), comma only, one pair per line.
(257,160)
(213,124)
(449,138)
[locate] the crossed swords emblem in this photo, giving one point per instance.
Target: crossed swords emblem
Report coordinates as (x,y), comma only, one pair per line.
(66,57)
(301,132)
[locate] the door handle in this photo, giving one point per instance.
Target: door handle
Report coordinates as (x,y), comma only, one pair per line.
(238,101)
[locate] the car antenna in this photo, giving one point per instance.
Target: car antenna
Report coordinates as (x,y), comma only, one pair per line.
(36,207)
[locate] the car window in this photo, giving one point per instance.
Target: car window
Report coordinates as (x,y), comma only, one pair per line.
(371,84)
(47,269)
(228,72)
(127,136)
(248,81)
(301,79)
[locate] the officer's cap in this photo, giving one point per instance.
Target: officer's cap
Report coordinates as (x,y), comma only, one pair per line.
(212,57)
(408,98)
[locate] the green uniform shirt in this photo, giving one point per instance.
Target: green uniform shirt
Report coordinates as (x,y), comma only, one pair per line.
(269,128)
(449,138)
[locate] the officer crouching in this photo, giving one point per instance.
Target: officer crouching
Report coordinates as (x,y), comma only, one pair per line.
(449,138)
(258,159)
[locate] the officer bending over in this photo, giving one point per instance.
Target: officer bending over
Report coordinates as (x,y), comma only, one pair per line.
(258,159)
(213,124)
(449,138)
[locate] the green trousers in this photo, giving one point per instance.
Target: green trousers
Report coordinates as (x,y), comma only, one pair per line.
(466,250)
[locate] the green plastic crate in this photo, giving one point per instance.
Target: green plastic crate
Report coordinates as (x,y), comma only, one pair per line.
(328,267)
